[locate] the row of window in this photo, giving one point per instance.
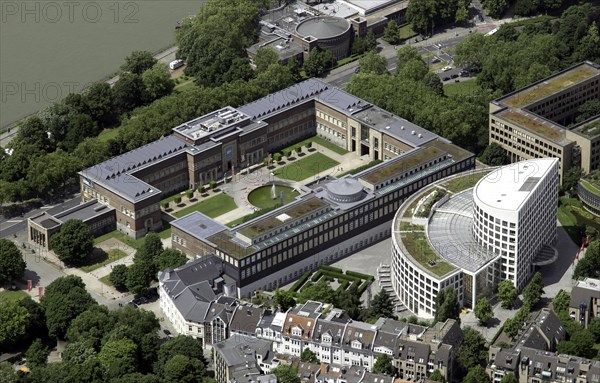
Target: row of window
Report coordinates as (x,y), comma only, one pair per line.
(331,119)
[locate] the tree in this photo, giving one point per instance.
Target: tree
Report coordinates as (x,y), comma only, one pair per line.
(284,299)
(180,345)
(509,378)
(79,352)
(447,306)
(118,277)
(136,377)
(589,46)
(483,311)
(382,306)
(319,61)
(12,265)
(129,92)
(99,102)
(406,54)
(371,62)
(594,328)
(494,155)
(383,365)
(349,301)
(120,353)
(182,369)
(583,341)
(286,374)
(309,356)
(472,351)
(433,81)
(422,15)
(507,293)
(36,326)
(437,376)
(514,324)
(391,32)
(588,110)
(13,323)
(264,58)
(561,301)
(73,242)
(320,291)
(477,375)
(59,372)
(64,300)
(90,325)
(7,373)
(138,62)
(157,82)
(570,179)
(532,294)
(139,276)
(170,258)
(495,8)
(37,354)
(590,263)
(461,15)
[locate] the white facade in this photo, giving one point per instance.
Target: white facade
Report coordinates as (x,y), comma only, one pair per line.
(515,214)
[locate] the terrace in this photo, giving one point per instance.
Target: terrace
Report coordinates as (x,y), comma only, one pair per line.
(591,130)
(550,86)
(290,212)
(591,185)
(534,125)
(402,164)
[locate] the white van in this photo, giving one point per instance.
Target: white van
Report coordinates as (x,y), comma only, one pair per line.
(175,64)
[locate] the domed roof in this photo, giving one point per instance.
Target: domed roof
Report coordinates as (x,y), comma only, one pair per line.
(345,190)
(323,27)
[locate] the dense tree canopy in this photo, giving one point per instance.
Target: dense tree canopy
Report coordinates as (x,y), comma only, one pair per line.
(12,264)
(532,294)
(494,155)
(507,293)
(13,323)
(286,374)
(472,351)
(73,242)
(383,365)
(483,311)
(446,305)
(138,62)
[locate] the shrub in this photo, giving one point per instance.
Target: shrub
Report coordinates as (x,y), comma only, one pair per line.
(165,205)
(298,149)
(213,184)
(287,153)
(190,194)
(296,286)
(360,275)
(308,145)
(316,276)
(177,200)
(363,286)
(331,268)
(201,189)
(343,285)
(277,157)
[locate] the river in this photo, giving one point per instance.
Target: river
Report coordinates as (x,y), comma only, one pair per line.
(51,48)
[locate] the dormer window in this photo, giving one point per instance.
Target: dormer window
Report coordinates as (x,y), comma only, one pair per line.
(326,338)
(296,331)
(356,344)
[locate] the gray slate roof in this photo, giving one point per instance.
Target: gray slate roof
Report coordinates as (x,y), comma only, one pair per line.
(245,319)
(240,350)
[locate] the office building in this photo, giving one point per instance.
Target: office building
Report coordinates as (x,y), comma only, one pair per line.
(585,301)
(470,231)
(538,121)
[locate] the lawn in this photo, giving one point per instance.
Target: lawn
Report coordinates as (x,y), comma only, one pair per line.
(12,296)
(105,280)
(185,86)
(309,166)
(466,87)
(105,259)
(108,134)
(406,31)
(172,197)
(262,197)
(459,184)
(418,247)
(359,169)
(317,140)
(135,243)
(574,218)
(212,207)
(166,231)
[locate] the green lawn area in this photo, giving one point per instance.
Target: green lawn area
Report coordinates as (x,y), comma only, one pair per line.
(262,197)
(359,169)
(420,251)
(462,87)
(307,167)
(190,84)
(166,231)
(459,184)
(12,296)
(172,197)
(406,31)
(590,186)
(108,134)
(135,243)
(105,259)
(574,218)
(317,140)
(105,280)
(212,207)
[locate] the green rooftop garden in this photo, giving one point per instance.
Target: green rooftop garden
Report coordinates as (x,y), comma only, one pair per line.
(465,182)
(417,245)
(224,242)
(409,161)
(536,126)
(591,186)
(271,222)
(551,86)
(591,130)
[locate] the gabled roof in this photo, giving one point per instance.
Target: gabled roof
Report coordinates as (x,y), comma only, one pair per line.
(245,319)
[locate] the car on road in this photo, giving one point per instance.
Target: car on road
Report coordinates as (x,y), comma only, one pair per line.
(446,68)
(436,60)
(464,73)
(454,75)
(446,78)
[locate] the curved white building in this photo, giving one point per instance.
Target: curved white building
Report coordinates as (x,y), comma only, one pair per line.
(472,230)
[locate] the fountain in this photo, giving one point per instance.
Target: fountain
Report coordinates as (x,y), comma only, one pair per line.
(273,192)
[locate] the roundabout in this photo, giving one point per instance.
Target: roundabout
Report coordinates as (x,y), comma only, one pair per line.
(269,196)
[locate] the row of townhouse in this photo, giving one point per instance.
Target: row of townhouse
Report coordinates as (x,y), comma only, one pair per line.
(194,298)
(533,358)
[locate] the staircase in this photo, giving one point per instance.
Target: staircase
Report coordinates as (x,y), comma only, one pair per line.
(385,282)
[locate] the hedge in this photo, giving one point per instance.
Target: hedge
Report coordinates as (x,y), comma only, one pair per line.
(360,275)
(343,286)
(316,276)
(364,286)
(296,286)
(340,276)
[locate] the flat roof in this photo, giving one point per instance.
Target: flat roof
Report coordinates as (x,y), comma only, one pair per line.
(198,225)
(450,231)
(394,126)
(336,8)
(270,222)
(535,124)
(551,85)
(323,27)
(369,6)
(284,49)
(590,128)
(400,164)
(508,187)
(83,211)
(204,126)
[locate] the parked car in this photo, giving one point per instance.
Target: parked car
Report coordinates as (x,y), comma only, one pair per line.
(176,64)
(464,73)
(454,75)
(446,68)
(446,78)
(436,60)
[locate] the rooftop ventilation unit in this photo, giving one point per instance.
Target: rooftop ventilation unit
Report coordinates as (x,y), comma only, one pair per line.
(412,132)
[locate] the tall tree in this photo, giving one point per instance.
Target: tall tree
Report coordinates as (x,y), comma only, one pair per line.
(483,311)
(371,62)
(180,345)
(118,277)
(37,354)
(532,294)
(436,376)
(349,300)
(477,375)
(446,305)
(472,351)
(129,92)
(509,378)
(13,323)
(264,58)
(561,301)
(382,306)
(169,258)
(138,62)
(309,356)
(284,299)
(495,8)
(73,242)
(157,82)
(286,374)
(119,354)
(507,293)
(494,155)
(383,365)
(588,110)
(12,265)
(90,325)
(182,369)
